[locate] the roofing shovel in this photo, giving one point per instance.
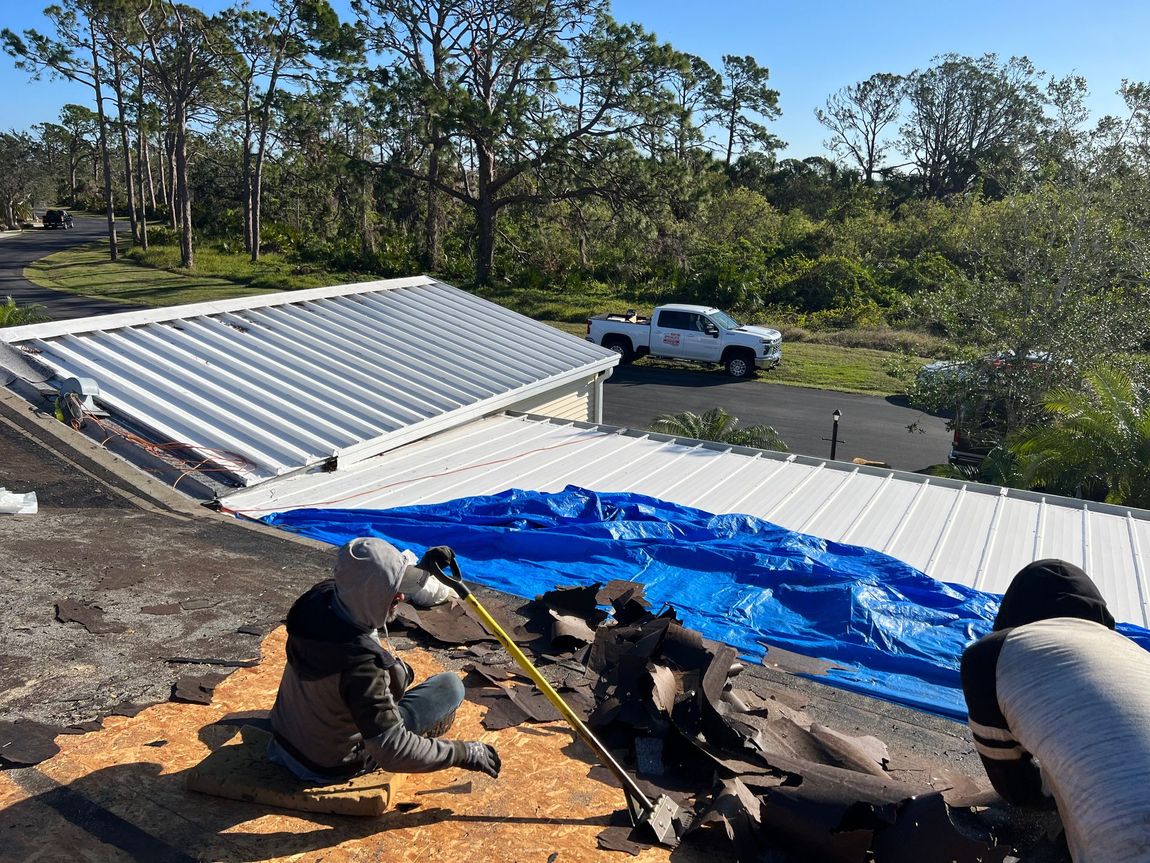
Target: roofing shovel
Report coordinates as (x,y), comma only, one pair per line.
(661,818)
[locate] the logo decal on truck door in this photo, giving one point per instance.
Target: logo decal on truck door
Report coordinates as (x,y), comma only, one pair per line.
(671,339)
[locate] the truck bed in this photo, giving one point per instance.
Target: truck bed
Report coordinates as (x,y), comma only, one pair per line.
(628,317)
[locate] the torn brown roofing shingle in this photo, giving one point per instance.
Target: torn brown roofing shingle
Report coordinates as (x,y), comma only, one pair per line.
(452,623)
(24,743)
(163,608)
(91,617)
(196,688)
(735,810)
(566,617)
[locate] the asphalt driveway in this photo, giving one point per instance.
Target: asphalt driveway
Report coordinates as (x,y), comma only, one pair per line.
(870,427)
(18,251)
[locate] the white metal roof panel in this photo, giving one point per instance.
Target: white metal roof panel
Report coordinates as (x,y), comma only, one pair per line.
(271,384)
(958,532)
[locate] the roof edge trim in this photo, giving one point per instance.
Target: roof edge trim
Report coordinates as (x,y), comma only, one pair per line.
(446,422)
(117,320)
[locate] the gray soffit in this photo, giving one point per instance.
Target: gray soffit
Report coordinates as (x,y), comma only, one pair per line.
(274,383)
(957,532)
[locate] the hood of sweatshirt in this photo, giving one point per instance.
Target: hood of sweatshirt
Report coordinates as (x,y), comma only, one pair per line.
(1051,588)
(368,574)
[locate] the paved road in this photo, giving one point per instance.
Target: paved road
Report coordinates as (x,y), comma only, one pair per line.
(17,252)
(871,427)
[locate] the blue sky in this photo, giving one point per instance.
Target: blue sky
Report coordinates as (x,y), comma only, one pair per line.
(810,48)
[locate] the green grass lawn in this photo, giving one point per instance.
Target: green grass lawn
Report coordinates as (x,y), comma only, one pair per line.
(830,367)
(86,270)
(153,278)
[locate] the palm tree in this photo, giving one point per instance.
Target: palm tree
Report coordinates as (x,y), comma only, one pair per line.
(718,425)
(1097,443)
(999,467)
(12,315)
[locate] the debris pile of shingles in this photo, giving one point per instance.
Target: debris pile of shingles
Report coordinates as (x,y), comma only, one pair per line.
(746,764)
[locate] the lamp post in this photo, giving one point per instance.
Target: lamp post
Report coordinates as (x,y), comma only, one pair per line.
(837,415)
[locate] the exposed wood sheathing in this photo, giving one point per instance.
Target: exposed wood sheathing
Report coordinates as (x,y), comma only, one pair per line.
(125,785)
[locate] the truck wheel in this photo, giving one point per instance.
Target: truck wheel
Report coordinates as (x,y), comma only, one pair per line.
(621,346)
(740,366)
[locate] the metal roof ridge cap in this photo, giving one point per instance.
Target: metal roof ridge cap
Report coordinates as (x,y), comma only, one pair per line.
(461,416)
(116,320)
(568,376)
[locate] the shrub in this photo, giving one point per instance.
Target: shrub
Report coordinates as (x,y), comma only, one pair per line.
(161,235)
(886,339)
(12,315)
(832,283)
(275,237)
(929,271)
(861,314)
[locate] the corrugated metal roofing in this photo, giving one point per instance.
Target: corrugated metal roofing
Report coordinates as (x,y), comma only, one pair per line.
(287,380)
(957,532)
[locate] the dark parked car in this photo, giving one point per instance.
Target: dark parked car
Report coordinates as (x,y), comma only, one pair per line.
(58,219)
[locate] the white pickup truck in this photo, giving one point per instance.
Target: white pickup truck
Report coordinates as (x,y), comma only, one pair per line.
(698,333)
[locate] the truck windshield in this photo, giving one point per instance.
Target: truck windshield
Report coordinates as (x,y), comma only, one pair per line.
(724,321)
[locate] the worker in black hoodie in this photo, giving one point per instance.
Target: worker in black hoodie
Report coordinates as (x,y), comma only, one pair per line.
(1059,707)
(346,705)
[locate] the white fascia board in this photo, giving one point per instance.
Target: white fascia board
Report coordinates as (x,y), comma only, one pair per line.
(117,320)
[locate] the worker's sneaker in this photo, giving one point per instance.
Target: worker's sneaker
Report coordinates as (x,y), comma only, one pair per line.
(441,727)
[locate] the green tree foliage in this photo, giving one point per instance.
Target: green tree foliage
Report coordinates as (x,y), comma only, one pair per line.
(531,103)
(815,185)
(719,426)
(23,173)
(73,139)
(266,50)
(831,283)
(971,118)
(857,116)
(184,47)
(76,52)
(1096,443)
(1056,270)
(743,93)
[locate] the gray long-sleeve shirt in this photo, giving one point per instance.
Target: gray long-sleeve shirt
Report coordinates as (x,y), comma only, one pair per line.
(1075,696)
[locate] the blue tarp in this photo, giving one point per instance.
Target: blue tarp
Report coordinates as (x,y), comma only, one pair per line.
(896,633)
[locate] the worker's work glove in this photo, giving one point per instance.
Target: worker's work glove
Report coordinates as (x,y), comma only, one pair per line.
(480,757)
(437,559)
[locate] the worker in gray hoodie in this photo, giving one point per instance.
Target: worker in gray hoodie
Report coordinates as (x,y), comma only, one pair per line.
(1059,708)
(346,705)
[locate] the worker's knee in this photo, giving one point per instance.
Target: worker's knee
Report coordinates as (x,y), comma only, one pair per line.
(448,689)
(429,708)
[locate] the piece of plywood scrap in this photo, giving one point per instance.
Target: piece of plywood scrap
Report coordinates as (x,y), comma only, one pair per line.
(128,779)
(240,770)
